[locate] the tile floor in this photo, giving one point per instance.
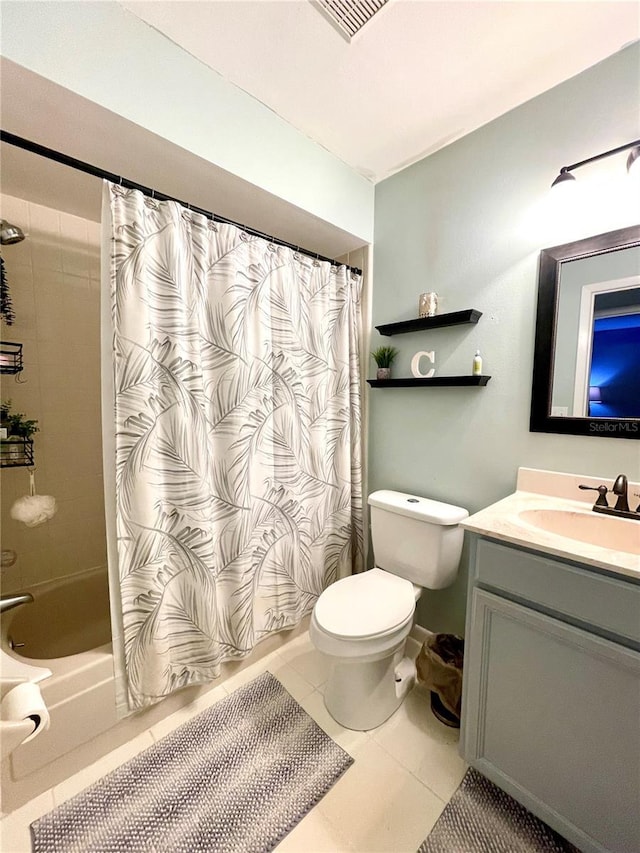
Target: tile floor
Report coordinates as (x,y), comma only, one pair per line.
(404,772)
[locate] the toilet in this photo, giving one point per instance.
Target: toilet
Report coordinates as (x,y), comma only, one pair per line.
(362,622)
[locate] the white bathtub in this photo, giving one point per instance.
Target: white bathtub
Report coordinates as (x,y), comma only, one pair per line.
(67,629)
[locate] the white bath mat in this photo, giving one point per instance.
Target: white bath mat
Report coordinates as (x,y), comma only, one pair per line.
(238,777)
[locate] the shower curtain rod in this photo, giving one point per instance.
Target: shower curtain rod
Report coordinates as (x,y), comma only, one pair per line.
(81,166)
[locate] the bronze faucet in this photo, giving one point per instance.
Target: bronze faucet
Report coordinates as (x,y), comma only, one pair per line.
(621,490)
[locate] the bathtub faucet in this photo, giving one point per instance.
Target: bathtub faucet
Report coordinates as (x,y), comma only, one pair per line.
(9,601)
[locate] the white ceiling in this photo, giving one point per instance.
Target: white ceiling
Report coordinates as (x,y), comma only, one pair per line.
(419,75)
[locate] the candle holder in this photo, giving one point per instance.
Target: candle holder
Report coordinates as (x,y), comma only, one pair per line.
(428,304)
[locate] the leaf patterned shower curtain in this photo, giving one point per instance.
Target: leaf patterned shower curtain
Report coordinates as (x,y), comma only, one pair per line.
(237,449)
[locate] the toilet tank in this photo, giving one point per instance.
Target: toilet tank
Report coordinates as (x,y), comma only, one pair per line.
(416,538)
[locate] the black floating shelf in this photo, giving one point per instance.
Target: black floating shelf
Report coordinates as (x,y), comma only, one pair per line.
(454,318)
(433,382)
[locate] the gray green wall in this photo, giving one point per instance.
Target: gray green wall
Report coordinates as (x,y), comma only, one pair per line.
(469,222)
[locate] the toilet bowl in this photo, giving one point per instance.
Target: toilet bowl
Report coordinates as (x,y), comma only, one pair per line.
(361,622)
(365,644)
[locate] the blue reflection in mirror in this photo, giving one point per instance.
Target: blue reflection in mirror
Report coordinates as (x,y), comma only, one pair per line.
(614,378)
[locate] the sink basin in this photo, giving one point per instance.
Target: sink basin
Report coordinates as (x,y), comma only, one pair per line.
(605,531)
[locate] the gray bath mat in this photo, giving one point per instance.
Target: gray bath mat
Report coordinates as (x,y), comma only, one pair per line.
(481,818)
(238,777)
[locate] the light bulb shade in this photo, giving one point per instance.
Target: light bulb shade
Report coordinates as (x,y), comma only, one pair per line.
(564,179)
(595,394)
(633,161)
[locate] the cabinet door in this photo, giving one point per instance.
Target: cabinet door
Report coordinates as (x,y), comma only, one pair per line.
(552,715)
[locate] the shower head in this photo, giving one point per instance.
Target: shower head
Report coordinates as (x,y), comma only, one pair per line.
(10,233)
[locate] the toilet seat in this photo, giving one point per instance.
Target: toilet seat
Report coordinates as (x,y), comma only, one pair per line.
(367,605)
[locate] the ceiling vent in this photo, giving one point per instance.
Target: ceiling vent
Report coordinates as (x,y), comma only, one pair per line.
(349,16)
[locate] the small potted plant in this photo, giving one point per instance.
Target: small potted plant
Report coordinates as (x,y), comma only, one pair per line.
(384,357)
(15,424)
(16,430)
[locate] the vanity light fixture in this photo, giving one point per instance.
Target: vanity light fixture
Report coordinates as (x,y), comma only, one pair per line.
(633,161)
(565,177)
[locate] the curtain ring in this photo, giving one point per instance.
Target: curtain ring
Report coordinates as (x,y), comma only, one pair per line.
(150,201)
(212,225)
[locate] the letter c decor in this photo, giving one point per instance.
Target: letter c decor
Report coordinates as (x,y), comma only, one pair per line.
(415,364)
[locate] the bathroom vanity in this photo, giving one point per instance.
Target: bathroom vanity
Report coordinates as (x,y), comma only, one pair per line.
(551,702)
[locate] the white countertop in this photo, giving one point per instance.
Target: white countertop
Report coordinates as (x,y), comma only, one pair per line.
(502,521)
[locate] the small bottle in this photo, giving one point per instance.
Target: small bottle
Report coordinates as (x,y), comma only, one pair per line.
(477,364)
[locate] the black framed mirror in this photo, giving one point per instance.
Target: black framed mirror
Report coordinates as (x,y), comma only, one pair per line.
(586,370)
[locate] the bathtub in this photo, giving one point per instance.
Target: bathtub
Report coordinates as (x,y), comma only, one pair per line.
(66,629)
(68,616)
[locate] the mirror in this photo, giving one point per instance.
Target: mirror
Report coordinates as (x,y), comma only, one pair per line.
(586,376)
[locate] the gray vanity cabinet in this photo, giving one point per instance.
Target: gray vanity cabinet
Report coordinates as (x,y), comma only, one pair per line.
(551,704)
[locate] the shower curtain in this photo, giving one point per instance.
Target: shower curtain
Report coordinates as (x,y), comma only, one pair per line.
(232,439)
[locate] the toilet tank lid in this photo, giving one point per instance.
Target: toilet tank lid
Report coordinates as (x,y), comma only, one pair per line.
(414,506)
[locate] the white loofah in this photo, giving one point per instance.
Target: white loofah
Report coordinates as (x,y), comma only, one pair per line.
(34,509)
